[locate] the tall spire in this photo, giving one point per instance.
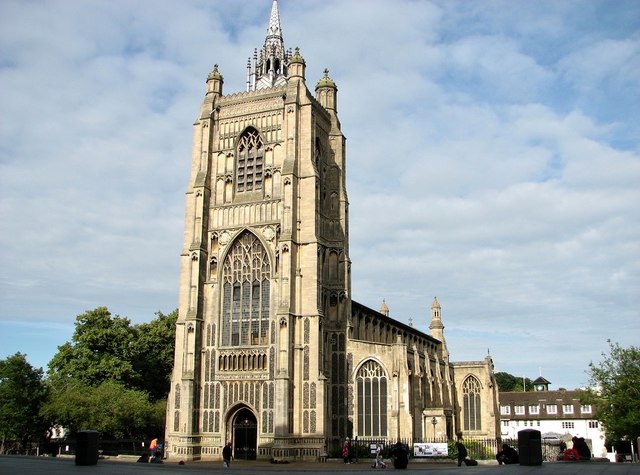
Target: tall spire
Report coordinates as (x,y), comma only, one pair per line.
(274,21)
(270,67)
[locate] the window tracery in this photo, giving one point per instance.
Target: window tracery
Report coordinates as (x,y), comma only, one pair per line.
(371,383)
(246,278)
(249,162)
(471,391)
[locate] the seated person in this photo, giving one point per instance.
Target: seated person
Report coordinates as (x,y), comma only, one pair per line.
(581,446)
(507,455)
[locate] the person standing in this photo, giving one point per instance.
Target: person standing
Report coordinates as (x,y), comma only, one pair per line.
(227,454)
(346,448)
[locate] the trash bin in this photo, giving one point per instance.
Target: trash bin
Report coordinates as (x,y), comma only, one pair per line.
(87,448)
(530,447)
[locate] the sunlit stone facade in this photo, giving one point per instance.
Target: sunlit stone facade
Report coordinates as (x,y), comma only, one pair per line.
(272,353)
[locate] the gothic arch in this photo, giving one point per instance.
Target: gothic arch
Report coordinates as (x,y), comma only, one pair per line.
(249,161)
(246,292)
(371,381)
(242,431)
(472,404)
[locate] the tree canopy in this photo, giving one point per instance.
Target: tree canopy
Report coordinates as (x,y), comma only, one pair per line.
(108,348)
(508,382)
(22,392)
(615,391)
(112,376)
(109,408)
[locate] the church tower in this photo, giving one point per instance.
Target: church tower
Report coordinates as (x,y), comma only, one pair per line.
(264,292)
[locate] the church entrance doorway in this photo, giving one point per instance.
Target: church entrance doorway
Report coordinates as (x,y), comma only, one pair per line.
(245,435)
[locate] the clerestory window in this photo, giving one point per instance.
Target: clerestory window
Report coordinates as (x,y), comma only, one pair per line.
(249,161)
(246,278)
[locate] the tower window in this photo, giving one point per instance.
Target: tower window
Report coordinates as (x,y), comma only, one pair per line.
(245,294)
(250,161)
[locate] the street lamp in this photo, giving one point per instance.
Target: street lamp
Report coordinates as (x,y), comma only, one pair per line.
(434,421)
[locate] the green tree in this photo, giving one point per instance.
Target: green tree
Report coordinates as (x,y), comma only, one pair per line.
(113,377)
(508,382)
(101,349)
(615,392)
(22,393)
(110,408)
(153,353)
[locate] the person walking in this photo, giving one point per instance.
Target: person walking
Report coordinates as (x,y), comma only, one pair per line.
(153,447)
(379,463)
(227,454)
(462,451)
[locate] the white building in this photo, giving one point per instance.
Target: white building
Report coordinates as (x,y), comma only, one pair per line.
(557,414)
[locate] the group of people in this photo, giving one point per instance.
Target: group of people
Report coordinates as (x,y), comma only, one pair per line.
(400,453)
(507,455)
(579,451)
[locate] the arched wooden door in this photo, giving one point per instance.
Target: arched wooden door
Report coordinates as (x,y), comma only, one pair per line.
(245,435)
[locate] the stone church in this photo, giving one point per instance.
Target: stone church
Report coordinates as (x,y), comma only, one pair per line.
(272,354)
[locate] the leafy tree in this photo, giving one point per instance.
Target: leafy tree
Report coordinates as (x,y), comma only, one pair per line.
(100,350)
(508,382)
(110,408)
(105,347)
(153,352)
(22,392)
(113,377)
(616,391)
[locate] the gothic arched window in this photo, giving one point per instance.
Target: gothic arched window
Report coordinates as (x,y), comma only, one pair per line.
(246,277)
(371,383)
(249,161)
(471,403)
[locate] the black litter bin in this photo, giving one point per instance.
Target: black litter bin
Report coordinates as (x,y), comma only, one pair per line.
(87,448)
(530,447)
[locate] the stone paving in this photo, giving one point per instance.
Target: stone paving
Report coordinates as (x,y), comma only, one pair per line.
(22,465)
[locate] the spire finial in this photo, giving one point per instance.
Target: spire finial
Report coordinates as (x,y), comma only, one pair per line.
(272,65)
(274,21)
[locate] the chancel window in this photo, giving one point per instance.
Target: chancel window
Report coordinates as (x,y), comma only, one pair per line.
(249,161)
(371,383)
(246,275)
(471,404)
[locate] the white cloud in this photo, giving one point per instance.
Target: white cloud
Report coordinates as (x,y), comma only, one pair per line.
(492,161)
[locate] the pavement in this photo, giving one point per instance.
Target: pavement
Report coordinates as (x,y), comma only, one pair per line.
(31,465)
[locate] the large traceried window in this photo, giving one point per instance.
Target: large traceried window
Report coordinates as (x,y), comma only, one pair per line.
(372,400)
(471,404)
(246,275)
(249,162)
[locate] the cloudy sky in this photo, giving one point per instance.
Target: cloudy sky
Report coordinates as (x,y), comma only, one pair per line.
(492,146)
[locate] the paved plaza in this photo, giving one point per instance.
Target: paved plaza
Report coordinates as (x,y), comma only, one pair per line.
(20,465)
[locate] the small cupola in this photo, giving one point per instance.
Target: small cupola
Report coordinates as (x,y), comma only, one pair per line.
(541,384)
(297,65)
(327,92)
(215,81)
(384,308)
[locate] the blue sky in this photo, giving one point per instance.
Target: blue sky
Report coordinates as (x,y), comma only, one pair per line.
(492,148)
